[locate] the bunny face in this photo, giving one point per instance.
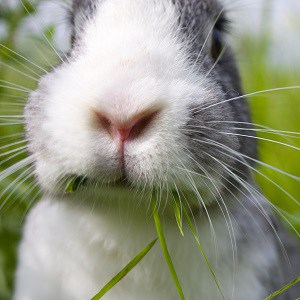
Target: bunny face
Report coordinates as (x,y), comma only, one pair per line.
(141,101)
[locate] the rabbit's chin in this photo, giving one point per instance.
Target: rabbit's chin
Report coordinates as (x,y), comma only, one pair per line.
(122,194)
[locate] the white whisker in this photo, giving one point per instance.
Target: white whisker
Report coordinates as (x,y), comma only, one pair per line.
(16,186)
(297,178)
(13,151)
(14,168)
(216,62)
(38,26)
(247,95)
(26,59)
(260,208)
(207,38)
(2,162)
(12,144)
(266,128)
(24,66)
(18,71)
(266,177)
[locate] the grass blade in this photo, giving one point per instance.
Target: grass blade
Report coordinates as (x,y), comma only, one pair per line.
(164,248)
(74,182)
(186,215)
(178,217)
(296,280)
(124,271)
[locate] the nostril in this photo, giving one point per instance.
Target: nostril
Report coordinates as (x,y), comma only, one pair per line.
(130,129)
(104,122)
(142,124)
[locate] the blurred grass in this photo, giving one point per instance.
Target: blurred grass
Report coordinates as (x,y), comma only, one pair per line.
(16,200)
(278,110)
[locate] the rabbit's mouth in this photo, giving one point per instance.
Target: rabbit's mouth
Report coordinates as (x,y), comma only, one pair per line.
(121,182)
(76,182)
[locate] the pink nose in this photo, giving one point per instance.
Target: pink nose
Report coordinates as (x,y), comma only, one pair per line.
(129,129)
(124,134)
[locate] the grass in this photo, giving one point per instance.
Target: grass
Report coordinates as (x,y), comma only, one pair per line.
(279,110)
(168,259)
(124,271)
(164,247)
(283,289)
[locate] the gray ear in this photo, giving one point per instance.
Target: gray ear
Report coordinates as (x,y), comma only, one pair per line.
(81,11)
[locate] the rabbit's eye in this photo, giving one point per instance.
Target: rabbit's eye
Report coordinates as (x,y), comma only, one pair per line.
(222,26)
(217,44)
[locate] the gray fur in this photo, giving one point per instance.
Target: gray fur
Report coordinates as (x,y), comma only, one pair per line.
(195,17)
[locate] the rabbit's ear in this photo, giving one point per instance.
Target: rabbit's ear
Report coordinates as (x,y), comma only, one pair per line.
(80,12)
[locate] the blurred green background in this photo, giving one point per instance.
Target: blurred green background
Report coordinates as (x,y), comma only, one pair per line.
(279,110)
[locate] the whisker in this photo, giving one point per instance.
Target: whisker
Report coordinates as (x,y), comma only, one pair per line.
(23,65)
(4,137)
(261,138)
(26,59)
(15,89)
(200,200)
(294,135)
(266,177)
(12,110)
(13,144)
(268,129)
(44,57)
(260,173)
(18,71)
(260,208)
(247,95)
(297,178)
(2,162)
(21,99)
(229,221)
(207,37)
(36,25)
(14,168)
(11,123)
(30,189)
(15,85)
(29,169)
(216,62)
(11,116)
(13,151)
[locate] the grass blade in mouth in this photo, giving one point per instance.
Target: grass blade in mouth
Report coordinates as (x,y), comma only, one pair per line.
(186,215)
(74,182)
(124,271)
(189,222)
(296,280)
(164,247)
(178,216)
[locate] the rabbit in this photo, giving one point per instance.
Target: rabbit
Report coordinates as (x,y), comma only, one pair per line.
(148,101)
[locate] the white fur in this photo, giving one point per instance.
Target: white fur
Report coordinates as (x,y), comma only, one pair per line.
(70,252)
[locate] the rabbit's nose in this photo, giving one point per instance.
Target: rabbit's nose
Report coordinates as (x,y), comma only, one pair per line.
(130,129)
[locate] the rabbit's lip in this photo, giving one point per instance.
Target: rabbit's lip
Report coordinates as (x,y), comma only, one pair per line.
(121,182)
(77,182)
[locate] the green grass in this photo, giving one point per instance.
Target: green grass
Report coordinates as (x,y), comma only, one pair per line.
(279,110)
(124,271)
(161,237)
(164,247)
(283,289)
